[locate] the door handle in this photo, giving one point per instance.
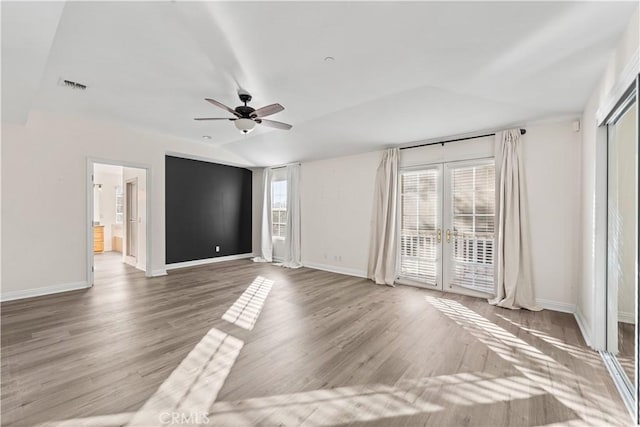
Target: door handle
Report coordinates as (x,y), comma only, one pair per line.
(448,236)
(439,235)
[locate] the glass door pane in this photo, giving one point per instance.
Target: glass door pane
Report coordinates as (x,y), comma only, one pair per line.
(469,226)
(420,226)
(622,255)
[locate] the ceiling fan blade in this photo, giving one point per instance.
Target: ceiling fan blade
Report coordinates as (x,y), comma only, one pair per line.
(214,118)
(267,111)
(221,105)
(274,124)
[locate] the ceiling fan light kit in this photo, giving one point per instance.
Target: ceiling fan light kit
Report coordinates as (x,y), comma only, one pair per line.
(245,125)
(246,117)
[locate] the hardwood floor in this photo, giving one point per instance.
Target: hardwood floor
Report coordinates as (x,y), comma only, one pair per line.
(295,347)
(627,348)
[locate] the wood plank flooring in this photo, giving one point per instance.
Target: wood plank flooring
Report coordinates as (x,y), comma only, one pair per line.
(324,349)
(627,348)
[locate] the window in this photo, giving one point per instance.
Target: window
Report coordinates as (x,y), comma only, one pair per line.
(279,209)
(420,218)
(119,205)
(473,226)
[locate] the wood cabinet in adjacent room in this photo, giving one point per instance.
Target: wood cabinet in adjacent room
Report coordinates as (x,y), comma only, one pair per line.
(98,238)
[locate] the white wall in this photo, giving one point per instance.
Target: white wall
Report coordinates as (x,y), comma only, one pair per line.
(140,176)
(552,166)
(476,148)
(337,201)
(44,170)
(589,313)
(105,207)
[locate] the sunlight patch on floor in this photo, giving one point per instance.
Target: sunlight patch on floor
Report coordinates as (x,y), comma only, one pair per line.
(579,353)
(373,402)
(359,403)
(245,311)
(192,388)
(194,385)
(573,391)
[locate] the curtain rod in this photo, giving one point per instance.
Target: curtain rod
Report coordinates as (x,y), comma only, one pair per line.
(284,166)
(522,132)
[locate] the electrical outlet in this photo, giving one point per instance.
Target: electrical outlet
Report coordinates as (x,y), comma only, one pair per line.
(217,248)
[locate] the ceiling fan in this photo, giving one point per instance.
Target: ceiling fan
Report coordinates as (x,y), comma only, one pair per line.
(246,117)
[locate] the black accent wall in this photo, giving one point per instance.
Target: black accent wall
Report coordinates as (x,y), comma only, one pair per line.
(207,205)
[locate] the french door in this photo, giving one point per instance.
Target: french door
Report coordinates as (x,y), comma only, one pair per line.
(447,230)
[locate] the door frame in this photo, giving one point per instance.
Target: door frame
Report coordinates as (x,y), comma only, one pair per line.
(91,161)
(601,328)
(131,260)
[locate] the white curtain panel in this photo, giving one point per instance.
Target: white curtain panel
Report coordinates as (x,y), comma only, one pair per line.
(383,249)
(266,247)
(293,256)
(514,285)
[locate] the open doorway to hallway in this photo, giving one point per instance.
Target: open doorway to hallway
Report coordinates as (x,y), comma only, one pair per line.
(119,219)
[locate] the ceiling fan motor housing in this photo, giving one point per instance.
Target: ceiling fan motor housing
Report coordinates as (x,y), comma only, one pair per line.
(245,110)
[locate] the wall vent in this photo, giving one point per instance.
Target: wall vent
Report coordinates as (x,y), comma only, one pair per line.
(71,85)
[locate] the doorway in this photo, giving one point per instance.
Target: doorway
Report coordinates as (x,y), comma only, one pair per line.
(447,230)
(119,226)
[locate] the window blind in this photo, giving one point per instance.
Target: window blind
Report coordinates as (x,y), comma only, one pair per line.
(279,209)
(472,192)
(419,221)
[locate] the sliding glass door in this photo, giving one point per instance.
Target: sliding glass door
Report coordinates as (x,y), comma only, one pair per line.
(622,245)
(447,227)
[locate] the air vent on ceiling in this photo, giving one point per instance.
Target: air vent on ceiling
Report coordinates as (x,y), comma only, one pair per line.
(71,85)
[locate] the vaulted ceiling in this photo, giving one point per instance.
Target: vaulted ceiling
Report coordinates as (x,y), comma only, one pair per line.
(402,72)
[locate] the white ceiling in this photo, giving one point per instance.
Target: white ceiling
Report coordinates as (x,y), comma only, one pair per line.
(27,35)
(402,72)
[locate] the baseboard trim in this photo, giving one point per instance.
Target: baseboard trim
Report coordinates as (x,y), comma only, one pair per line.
(562,307)
(626,317)
(46,290)
(159,272)
(206,261)
(585,330)
(335,269)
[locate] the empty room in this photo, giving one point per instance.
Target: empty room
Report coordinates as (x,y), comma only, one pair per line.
(319,213)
